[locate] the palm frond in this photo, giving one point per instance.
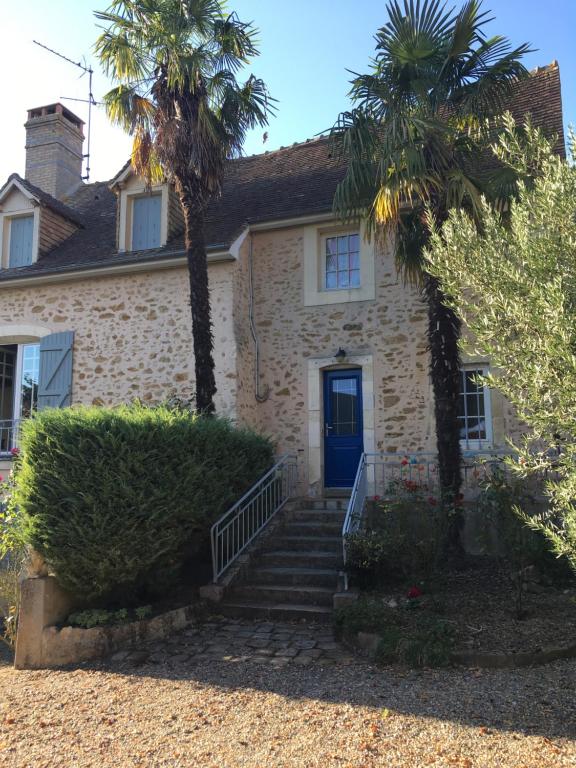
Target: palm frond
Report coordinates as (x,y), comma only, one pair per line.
(424,116)
(175,64)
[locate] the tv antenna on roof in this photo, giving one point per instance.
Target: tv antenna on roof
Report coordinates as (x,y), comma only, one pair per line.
(90,100)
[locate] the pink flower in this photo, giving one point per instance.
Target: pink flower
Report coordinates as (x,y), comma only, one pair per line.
(1,479)
(15,451)
(414,592)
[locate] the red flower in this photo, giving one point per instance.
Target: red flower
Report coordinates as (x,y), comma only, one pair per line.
(431,501)
(414,592)
(404,461)
(15,451)
(376,498)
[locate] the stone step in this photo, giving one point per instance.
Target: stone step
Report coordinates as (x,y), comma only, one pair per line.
(313,577)
(336,503)
(307,543)
(312,528)
(284,593)
(276,611)
(294,559)
(320,515)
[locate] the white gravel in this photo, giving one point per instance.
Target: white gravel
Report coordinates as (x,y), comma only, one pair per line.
(227,714)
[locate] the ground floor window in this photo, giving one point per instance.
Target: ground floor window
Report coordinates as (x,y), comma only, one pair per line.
(19,374)
(474,411)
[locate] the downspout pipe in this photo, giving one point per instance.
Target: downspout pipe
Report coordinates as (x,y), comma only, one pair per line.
(261,397)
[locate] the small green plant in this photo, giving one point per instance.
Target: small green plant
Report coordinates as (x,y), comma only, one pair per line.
(98,617)
(13,554)
(429,644)
(143,612)
(408,635)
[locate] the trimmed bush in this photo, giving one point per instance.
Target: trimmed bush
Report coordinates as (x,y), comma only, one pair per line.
(117,499)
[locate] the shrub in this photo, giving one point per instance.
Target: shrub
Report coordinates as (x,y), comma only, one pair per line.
(116,499)
(512,280)
(406,535)
(519,545)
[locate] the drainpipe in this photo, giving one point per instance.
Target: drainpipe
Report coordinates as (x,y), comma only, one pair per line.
(261,397)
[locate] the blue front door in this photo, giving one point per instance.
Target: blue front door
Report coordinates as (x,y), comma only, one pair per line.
(343,429)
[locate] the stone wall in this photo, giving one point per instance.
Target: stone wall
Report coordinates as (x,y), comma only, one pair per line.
(133,333)
(391,329)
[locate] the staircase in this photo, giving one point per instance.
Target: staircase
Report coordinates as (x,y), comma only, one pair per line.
(294,573)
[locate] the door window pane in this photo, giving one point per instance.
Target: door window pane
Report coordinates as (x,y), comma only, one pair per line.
(344,405)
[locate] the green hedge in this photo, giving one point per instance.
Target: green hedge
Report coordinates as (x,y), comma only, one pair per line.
(117,499)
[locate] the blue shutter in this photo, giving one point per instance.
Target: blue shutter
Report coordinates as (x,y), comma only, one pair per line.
(55,379)
(146,222)
(21,234)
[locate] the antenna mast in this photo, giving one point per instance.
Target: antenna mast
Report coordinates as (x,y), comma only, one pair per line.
(90,100)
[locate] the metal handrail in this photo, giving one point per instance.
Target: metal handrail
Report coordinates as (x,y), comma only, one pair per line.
(238,527)
(9,435)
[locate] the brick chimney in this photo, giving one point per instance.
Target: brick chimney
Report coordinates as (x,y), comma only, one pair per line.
(54,138)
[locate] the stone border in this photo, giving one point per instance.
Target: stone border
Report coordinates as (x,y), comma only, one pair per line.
(42,645)
(367,643)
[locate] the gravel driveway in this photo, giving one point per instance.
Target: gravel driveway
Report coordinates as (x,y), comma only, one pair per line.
(223,709)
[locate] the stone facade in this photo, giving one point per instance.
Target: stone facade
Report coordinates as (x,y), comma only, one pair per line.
(133,340)
(133,333)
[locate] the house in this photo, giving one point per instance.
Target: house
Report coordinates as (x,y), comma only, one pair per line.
(317,340)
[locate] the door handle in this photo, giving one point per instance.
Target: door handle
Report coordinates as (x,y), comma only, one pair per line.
(327,428)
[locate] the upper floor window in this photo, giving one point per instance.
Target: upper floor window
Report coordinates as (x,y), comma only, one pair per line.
(146,222)
(342,261)
(474,411)
(21,236)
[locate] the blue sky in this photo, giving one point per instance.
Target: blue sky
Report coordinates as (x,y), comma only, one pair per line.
(306,47)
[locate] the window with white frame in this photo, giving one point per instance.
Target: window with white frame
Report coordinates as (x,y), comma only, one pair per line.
(21,236)
(474,414)
(146,222)
(342,261)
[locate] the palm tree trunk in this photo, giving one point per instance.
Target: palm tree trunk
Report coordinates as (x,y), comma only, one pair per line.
(199,299)
(443,335)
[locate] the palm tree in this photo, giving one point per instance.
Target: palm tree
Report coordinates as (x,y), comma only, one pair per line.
(414,143)
(175,63)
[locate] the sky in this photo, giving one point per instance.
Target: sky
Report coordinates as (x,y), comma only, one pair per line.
(306,47)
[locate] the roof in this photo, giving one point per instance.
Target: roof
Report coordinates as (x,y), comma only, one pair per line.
(42,197)
(285,184)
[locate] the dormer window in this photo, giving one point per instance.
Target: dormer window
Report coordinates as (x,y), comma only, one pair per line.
(20,238)
(147,217)
(146,222)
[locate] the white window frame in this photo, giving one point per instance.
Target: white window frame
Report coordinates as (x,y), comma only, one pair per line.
(315,291)
(487,442)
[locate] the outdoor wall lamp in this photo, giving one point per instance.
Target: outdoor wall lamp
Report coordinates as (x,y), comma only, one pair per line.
(340,355)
